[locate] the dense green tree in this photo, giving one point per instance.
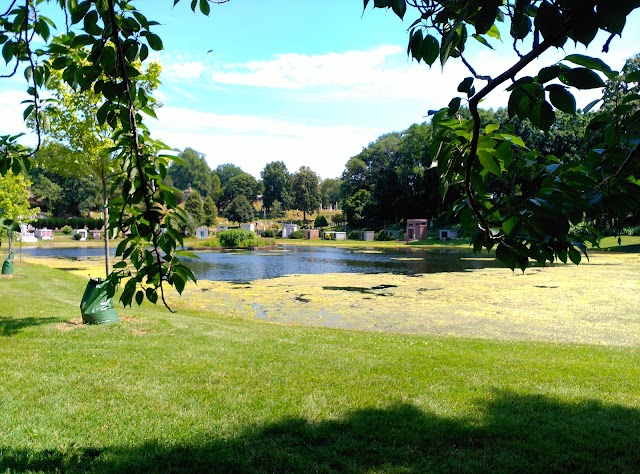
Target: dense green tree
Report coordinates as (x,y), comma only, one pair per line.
(14,201)
(193,205)
(357,208)
(240,185)
(277,185)
(240,210)
(276,210)
(46,192)
(306,191)
(226,171)
(192,169)
(546,193)
(320,221)
(330,191)
(210,211)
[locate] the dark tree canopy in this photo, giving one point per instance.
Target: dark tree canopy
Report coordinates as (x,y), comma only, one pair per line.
(192,170)
(226,171)
(276,180)
(240,185)
(306,192)
(240,210)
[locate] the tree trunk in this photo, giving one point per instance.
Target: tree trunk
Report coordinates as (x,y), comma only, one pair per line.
(105,215)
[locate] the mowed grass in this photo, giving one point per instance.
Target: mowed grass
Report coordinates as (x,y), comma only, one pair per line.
(195,392)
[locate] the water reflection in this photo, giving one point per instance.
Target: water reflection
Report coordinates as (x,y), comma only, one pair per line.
(240,266)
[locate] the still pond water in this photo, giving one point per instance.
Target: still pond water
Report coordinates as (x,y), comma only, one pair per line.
(253,265)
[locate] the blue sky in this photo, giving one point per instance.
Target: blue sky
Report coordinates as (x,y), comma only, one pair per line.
(307,82)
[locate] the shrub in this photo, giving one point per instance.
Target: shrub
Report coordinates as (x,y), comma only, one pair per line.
(77,236)
(67,230)
(73,222)
(235,237)
(271,233)
(297,234)
(384,236)
(354,235)
(635,231)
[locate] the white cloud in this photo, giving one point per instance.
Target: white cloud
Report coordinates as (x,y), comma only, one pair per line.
(301,71)
(251,142)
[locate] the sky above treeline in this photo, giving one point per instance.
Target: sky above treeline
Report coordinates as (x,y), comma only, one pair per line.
(306,82)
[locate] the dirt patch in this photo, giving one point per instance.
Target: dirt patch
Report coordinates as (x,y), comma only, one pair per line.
(70,325)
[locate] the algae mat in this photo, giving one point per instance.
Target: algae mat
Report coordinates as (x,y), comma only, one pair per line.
(595,303)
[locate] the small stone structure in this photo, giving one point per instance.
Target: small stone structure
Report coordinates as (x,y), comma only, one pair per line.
(310,234)
(250,226)
(446,234)
(95,234)
(202,233)
(416,229)
(44,234)
(287,229)
(368,235)
(332,235)
(83,233)
(27,234)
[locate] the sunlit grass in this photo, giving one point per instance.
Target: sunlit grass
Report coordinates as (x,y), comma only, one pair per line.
(198,391)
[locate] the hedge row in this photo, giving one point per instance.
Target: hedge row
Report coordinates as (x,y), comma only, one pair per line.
(74,222)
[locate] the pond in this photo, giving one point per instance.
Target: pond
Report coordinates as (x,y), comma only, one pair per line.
(240,265)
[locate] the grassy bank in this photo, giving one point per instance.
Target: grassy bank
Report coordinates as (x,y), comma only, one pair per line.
(195,392)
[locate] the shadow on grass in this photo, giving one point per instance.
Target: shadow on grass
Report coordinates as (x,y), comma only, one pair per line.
(12,326)
(515,434)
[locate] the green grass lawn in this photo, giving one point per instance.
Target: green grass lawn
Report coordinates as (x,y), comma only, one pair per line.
(196,392)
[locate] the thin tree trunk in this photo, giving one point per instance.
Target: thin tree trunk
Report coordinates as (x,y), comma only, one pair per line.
(105,215)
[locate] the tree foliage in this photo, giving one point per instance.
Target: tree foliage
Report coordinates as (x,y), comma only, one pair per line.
(193,206)
(191,169)
(543,194)
(306,192)
(276,180)
(240,185)
(239,210)
(210,211)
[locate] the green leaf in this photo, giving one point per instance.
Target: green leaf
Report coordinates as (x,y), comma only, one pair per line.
(510,224)
(454,106)
(399,7)
(430,49)
(582,78)
(542,115)
(547,74)
(561,98)
(489,162)
(139,297)
(154,41)
(465,85)
(591,105)
(492,127)
(574,255)
(78,13)
(205,8)
(591,63)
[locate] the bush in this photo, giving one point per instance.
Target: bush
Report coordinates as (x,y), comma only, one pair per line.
(634,231)
(73,222)
(235,237)
(354,235)
(271,233)
(240,238)
(67,230)
(77,236)
(384,236)
(297,234)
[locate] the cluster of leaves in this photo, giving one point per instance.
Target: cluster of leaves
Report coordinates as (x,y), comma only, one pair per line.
(529,215)
(102,49)
(391,179)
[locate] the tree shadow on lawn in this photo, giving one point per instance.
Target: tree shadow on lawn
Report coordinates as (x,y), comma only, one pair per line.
(515,434)
(12,326)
